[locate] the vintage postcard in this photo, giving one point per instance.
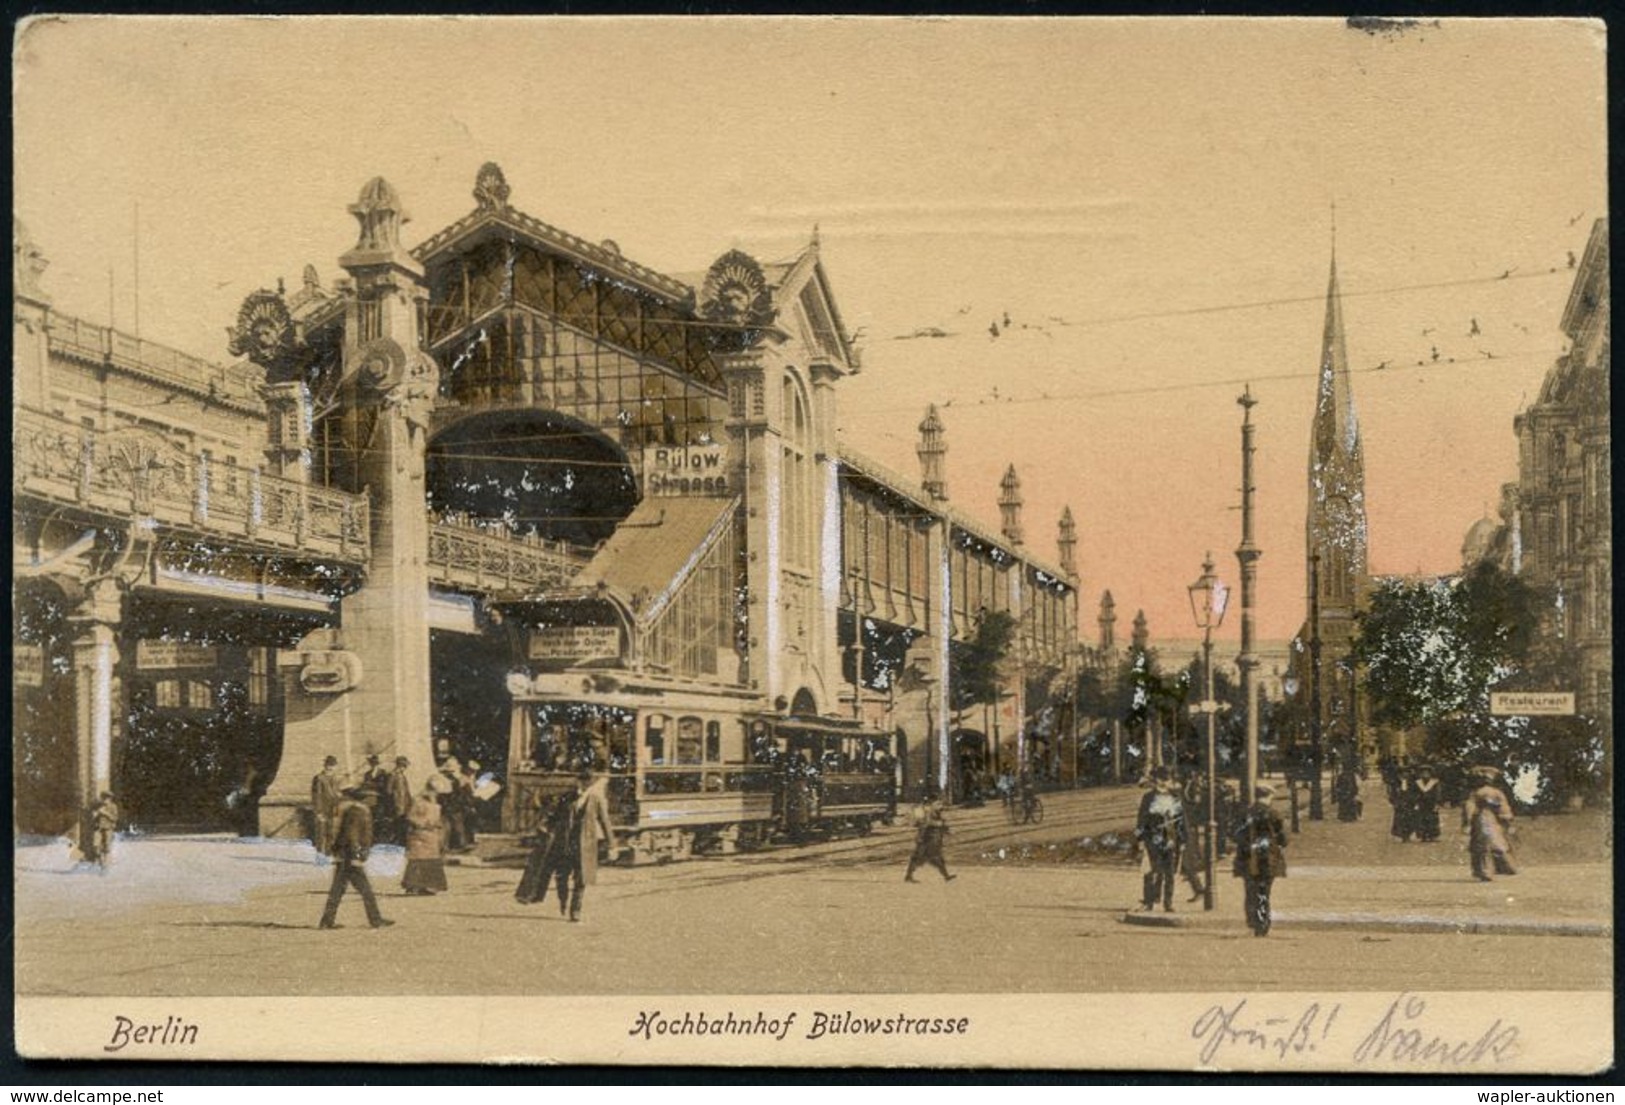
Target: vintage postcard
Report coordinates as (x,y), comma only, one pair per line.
(1029,543)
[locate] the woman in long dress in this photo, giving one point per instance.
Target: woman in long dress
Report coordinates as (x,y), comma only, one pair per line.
(425,846)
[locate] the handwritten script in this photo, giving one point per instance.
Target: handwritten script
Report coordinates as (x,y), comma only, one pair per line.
(1401,1035)
(1292,1034)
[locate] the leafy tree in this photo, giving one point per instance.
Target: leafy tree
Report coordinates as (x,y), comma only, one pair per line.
(1434,651)
(975,668)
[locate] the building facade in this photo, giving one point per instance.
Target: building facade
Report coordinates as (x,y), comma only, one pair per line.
(1560,517)
(505,495)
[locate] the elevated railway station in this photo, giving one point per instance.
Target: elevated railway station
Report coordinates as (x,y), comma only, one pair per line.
(507,496)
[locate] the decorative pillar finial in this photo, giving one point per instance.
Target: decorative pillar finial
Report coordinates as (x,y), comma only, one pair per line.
(1067,543)
(931,451)
(491,188)
(380,214)
(1010,505)
(28,264)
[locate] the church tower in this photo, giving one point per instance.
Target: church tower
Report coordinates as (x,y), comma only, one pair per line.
(1336,530)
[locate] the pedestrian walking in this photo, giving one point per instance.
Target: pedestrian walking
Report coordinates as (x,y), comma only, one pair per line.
(101,822)
(549,851)
(589,827)
(1403,796)
(1260,858)
(352,843)
(326,794)
(930,827)
(1486,818)
(453,809)
(1159,826)
(425,872)
(1425,806)
(1346,794)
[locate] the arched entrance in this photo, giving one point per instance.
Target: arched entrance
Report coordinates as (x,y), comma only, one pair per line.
(804,704)
(532,472)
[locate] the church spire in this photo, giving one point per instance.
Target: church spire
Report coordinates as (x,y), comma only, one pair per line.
(1336,529)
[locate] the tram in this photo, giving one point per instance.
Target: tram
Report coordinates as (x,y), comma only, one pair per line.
(693,773)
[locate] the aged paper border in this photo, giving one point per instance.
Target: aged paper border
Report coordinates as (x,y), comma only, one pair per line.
(1557,1032)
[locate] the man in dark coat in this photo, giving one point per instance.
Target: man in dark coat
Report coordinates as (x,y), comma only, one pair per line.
(397,801)
(589,827)
(326,793)
(1260,858)
(1160,828)
(352,843)
(549,853)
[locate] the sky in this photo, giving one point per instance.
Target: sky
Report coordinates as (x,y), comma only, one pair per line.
(1150,201)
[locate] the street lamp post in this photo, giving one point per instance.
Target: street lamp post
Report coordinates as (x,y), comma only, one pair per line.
(1247,554)
(1208,597)
(1290,686)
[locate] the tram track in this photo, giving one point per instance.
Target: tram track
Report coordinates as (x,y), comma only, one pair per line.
(1069,815)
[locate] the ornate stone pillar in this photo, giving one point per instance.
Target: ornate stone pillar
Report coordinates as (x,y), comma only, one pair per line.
(96,687)
(756,466)
(365,688)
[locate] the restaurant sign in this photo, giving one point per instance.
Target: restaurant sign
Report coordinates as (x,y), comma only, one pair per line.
(575,643)
(687,470)
(1532,703)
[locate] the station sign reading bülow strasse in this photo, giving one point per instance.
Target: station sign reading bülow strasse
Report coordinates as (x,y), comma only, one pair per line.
(684,470)
(1532,703)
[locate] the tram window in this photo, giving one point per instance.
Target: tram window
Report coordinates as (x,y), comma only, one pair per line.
(690,736)
(713,741)
(655,738)
(547,747)
(761,743)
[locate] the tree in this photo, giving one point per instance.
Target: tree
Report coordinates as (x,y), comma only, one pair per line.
(1434,651)
(976,666)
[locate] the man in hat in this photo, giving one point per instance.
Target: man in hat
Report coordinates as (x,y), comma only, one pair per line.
(352,843)
(397,800)
(1260,858)
(1486,816)
(326,791)
(589,826)
(1160,828)
(930,827)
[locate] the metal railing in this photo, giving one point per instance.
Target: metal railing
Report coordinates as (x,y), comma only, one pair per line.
(463,554)
(135,473)
(86,340)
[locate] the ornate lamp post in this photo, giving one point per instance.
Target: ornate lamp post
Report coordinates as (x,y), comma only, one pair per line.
(1208,597)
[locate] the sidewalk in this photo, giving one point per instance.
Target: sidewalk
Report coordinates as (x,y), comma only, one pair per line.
(1354,875)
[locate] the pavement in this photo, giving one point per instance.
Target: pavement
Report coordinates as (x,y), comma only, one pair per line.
(1356,875)
(1036,908)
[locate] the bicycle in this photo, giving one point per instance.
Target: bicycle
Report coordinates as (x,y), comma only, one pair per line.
(1032,809)
(1027,809)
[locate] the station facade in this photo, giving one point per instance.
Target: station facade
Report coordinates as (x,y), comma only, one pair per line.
(505,495)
